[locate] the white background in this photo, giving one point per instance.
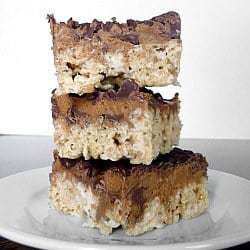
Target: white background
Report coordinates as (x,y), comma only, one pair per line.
(215,71)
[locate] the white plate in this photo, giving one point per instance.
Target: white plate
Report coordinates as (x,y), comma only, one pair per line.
(25,217)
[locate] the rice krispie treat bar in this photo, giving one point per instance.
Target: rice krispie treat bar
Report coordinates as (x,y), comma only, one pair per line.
(128,123)
(98,55)
(139,198)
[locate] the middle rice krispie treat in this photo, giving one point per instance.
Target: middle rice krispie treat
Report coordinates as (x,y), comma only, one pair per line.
(127,123)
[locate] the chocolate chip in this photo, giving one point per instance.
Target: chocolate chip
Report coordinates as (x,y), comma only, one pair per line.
(128,87)
(96,25)
(107,26)
(97,96)
(68,163)
(173,19)
(131,24)
(175,30)
(73,24)
(131,38)
(85,26)
(111,94)
(51,18)
(54,108)
(89,33)
(158,96)
(160,49)
(163,18)
(90,28)
(148,22)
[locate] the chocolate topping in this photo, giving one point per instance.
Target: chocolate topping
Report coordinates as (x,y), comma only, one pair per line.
(111,104)
(166,26)
(176,158)
(135,184)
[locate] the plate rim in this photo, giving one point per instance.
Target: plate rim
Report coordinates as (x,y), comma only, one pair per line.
(43,242)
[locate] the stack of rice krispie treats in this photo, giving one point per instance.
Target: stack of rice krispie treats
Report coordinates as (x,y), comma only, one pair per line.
(115,162)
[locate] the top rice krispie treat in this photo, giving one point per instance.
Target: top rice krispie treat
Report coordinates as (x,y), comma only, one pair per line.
(98,55)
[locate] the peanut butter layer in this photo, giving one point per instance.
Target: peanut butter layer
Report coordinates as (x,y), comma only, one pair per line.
(133,187)
(88,54)
(111,104)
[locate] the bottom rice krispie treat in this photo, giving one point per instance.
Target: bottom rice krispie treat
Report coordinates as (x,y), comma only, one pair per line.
(137,197)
